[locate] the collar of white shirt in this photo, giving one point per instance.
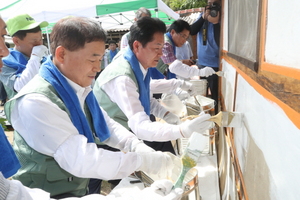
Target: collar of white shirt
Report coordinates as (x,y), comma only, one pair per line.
(144,71)
(81,92)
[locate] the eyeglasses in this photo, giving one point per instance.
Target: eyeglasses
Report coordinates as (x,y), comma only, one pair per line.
(183,36)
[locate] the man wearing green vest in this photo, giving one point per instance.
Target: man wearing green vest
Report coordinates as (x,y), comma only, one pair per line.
(180,88)
(123,88)
(57,121)
(109,53)
(176,36)
(24,60)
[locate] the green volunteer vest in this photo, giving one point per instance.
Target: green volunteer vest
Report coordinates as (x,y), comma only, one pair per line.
(10,93)
(119,67)
(161,66)
(39,170)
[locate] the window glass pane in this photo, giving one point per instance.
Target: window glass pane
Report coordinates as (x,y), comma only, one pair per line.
(243,28)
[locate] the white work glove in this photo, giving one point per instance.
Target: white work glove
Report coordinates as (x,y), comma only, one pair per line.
(206,71)
(39,51)
(182,95)
(189,87)
(161,190)
(142,147)
(156,163)
(171,118)
(199,124)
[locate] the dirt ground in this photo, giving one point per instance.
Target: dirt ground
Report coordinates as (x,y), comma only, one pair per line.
(9,135)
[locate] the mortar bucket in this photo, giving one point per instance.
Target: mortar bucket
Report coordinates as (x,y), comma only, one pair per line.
(200,86)
(190,182)
(205,102)
(173,104)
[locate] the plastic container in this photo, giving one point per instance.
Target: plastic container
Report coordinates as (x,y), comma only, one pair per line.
(190,181)
(205,102)
(172,103)
(192,107)
(200,86)
(196,144)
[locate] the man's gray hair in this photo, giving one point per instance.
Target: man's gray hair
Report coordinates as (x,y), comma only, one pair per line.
(141,11)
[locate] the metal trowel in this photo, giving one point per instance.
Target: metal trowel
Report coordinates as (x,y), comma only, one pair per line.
(228,119)
(220,73)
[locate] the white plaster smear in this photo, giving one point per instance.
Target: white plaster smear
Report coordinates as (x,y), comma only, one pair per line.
(228,83)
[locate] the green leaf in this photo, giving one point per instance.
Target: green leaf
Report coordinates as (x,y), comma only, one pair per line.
(2,122)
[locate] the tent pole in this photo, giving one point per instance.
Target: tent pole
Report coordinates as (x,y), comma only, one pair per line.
(48,40)
(47,33)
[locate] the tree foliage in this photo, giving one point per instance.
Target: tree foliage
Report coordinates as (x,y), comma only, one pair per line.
(185,4)
(2,123)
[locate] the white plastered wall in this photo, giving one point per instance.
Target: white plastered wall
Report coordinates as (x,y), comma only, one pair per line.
(283,30)
(228,84)
(267,144)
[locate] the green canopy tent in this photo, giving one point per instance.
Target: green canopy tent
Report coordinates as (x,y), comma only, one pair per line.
(113,14)
(157,8)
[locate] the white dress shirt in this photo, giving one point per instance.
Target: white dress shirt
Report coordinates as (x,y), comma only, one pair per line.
(165,85)
(32,69)
(184,52)
(124,41)
(126,97)
(48,129)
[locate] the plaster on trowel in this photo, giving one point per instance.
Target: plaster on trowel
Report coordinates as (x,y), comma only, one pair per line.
(228,119)
(220,73)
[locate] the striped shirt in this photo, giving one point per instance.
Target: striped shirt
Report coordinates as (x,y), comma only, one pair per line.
(168,53)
